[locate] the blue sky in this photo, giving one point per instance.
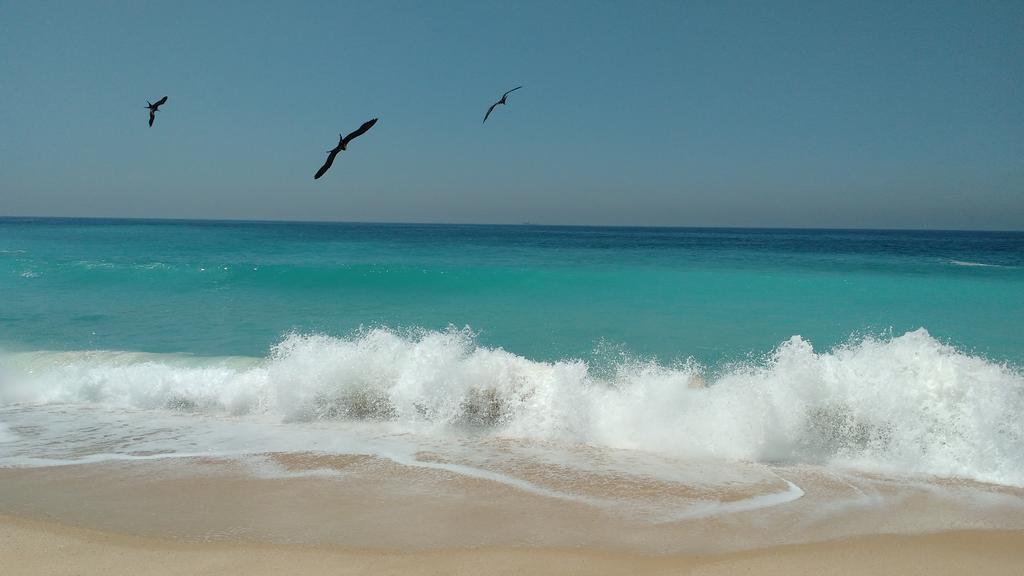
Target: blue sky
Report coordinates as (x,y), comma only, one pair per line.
(888,114)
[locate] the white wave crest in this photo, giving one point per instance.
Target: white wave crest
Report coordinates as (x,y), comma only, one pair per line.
(974,264)
(908,404)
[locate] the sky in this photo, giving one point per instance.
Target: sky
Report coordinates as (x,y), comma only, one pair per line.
(765,114)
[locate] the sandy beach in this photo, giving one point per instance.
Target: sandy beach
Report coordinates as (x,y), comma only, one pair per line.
(34,547)
(361,515)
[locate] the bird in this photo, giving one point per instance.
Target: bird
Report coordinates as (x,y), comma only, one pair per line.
(154,107)
(502,101)
(343,145)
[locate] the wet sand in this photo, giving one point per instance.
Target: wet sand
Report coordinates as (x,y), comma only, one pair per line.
(33,547)
(310,513)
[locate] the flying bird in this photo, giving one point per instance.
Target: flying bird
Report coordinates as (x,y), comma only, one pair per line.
(154,107)
(343,145)
(502,101)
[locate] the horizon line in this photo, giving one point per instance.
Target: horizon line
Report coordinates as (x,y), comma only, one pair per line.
(523,224)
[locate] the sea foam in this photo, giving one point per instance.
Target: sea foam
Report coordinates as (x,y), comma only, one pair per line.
(907,404)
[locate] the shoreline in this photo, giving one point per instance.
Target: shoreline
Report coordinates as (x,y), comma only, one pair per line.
(337,514)
(41,547)
(363,502)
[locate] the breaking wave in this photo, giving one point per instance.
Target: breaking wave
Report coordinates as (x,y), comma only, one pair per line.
(908,404)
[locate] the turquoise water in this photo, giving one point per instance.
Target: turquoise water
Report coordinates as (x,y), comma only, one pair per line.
(892,352)
(546,293)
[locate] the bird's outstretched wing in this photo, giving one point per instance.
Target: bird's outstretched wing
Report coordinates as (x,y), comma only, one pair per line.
(489,111)
(327,164)
(161,101)
(152,115)
(358,131)
(503,95)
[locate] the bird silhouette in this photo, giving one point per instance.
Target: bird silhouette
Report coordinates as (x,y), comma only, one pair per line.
(154,107)
(502,101)
(343,145)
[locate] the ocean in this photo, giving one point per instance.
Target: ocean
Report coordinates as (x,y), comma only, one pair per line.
(474,348)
